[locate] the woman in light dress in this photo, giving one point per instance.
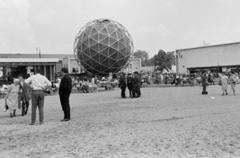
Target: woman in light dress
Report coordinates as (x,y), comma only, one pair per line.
(233,79)
(224,83)
(12,97)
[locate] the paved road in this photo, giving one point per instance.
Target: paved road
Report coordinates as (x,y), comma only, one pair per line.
(165,122)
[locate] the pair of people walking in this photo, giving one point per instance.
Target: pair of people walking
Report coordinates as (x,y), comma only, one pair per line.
(225,80)
(18,97)
(40,84)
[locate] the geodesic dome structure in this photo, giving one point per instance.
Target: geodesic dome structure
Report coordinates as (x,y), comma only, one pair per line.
(103,46)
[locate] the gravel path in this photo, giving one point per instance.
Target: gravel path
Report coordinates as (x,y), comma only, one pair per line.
(165,122)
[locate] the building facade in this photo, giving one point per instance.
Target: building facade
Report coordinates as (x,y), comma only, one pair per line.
(134,64)
(213,58)
(12,67)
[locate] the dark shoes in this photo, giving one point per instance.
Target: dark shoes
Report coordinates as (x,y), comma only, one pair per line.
(34,123)
(13,114)
(64,120)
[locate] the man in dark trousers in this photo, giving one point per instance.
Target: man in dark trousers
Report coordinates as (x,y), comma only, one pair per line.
(204,84)
(136,85)
(24,95)
(122,85)
(65,90)
(130,84)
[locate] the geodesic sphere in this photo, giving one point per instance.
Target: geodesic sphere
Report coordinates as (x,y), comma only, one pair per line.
(103,46)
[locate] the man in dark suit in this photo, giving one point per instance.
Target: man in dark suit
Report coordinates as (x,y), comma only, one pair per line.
(65,90)
(130,84)
(136,85)
(204,84)
(122,85)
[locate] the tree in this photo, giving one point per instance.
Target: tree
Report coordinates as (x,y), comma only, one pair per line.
(143,55)
(163,60)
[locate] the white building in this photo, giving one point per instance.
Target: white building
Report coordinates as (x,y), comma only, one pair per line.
(214,58)
(134,64)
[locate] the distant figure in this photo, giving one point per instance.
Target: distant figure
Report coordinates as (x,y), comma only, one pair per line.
(12,97)
(130,84)
(25,95)
(224,83)
(122,85)
(136,85)
(65,90)
(204,84)
(233,81)
(39,84)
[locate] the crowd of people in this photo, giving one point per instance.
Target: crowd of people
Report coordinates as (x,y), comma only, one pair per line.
(226,78)
(132,82)
(36,87)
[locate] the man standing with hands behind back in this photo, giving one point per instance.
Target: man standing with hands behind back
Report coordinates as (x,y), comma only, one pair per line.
(65,90)
(39,84)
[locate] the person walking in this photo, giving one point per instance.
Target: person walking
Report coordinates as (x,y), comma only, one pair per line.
(204,84)
(39,84)
(12,97)
(224,83)
(233,81)
(122,85)
(25,95)
(65,90)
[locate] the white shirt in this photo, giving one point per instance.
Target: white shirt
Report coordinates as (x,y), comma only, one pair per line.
(38,82)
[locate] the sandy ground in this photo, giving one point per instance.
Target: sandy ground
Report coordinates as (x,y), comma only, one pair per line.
(165,122)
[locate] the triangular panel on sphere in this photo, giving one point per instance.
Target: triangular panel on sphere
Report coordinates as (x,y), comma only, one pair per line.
(101,36)
(95,47)
(114,35)
(91,42)
(104,31)
(105,52)
(111,51)
(93,52)
(101,47)
(115,45)
(105,41)
(110,28)
(102,58)
(112,40)
(95,37)
(93,31)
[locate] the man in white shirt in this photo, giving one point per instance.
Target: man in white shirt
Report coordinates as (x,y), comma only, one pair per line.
(39,83)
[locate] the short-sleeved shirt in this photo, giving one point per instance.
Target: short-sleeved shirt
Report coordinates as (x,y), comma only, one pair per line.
(38,82)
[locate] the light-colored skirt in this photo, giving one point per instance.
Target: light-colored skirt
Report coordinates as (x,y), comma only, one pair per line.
(12,101)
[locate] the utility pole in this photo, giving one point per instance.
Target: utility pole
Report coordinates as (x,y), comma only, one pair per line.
(38,52)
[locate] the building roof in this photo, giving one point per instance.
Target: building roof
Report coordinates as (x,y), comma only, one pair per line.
(216,45)
(20,55)
(29,60)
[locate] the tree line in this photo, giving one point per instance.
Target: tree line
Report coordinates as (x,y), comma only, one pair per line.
(161,61)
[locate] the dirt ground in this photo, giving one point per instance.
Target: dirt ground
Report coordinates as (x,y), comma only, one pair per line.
(164,122)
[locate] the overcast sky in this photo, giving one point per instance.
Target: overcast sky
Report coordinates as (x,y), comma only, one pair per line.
(153,24)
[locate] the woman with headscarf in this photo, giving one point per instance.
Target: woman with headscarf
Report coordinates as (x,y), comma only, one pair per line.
(12,97)
(224,83)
